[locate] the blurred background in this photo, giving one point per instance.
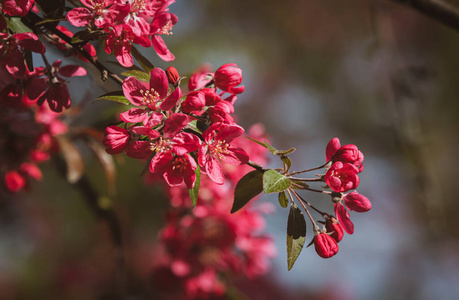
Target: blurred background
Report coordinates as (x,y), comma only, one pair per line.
(373,73)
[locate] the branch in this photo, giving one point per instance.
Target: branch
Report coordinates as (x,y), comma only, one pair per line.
(438,10)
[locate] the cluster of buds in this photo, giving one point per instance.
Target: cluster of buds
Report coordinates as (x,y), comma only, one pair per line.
(125,22)
(344,163)
(176,132)
(200,247)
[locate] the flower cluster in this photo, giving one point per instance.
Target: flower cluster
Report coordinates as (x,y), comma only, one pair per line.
(341,177)
(125,22)
(176,133)
(27,136)
(199,249)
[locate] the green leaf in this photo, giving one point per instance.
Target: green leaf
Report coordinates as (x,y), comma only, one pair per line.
(285,152)
(248,187)
(143,61)
(140,75)
(117,96)
(296,234)
(16,25)
(195,190)
(50,21)
(283,200)
(287,162)
(258,142)
(274,182)
(270,148)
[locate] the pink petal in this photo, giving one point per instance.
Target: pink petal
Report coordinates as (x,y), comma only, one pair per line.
(344,219)
(79,17)
(161,48)
(174,124)
(170,101)
(332,147)
(185,142)
(139,149)
(214,170)
(235,156)
(134,115)
(132,88)
(159,82)
(229,133)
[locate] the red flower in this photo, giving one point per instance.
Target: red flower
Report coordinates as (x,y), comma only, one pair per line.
(216,147)
(325,245)
(97,11)
(342,177)
(228,77)
(115,139)
(356,202)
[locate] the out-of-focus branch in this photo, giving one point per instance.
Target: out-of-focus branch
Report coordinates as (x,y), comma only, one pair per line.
(439,10)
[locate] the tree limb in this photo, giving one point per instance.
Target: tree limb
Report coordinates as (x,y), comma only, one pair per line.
(439,10)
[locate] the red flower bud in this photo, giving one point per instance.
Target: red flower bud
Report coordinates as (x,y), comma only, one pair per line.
(228,77)
(325,245)
(31,170)
(356,202)
(334,228)
(14,181)
(172,75)
(195,101)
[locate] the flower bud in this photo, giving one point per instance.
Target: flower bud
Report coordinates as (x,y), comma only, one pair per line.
(334,228)
(115,139)
(31,170)
(325,245)
(172,75)
(195,101)
(356,202)
(228,77)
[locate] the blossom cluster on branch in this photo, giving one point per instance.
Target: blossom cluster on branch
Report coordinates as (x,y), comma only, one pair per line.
(178,133)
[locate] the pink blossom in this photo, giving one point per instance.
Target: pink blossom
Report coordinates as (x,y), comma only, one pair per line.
(119,42)
(216,147)
(11,51)
(96,11)
(162,25)
(342,177)
(153,95)
(17,7)
(52,88)
(175,168)
(115,139)
(200,78)
(31,170)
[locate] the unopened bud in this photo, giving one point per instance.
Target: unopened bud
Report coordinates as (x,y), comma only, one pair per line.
(172,75)
(325,245)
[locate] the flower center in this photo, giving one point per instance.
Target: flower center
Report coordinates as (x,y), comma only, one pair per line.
(149,98)
(219,149)
(161,145)
(167,29)
(179,164)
